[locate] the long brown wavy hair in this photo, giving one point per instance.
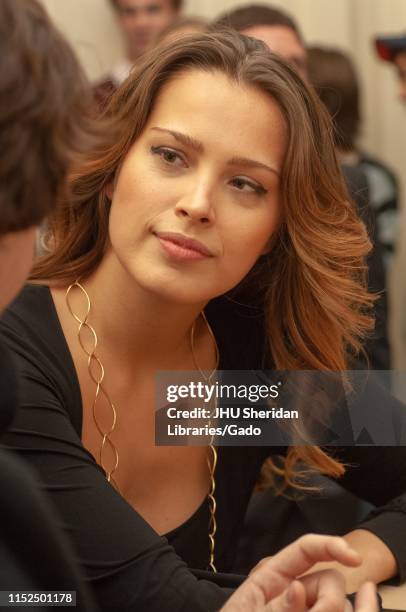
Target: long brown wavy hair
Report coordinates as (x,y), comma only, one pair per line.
(316,304)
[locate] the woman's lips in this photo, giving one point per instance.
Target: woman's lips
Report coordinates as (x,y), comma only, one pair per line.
(182,247)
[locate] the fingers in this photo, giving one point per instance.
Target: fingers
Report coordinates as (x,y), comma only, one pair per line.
(260,564)
(325,591)
(310,549)
(274,575)
(366,599)
(293,599)
(322,590)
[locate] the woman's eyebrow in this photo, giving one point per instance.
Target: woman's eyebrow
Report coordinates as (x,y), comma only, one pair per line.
(251,163)
(188,141)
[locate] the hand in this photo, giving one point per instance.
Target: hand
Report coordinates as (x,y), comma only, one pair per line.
(378,562)
(273,584)
(324,595)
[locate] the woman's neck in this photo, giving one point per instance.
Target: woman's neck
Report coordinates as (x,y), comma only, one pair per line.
(135,324)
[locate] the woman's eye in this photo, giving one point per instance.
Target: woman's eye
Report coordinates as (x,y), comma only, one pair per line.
(243,184)
(169,156)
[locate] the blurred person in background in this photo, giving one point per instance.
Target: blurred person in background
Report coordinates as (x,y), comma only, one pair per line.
(335,79)
(274,27)
(141,22)
(393,49)
(183,25)
(43,128)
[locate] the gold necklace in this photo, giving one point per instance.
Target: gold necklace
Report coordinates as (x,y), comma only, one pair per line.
(212,458)
(96,373)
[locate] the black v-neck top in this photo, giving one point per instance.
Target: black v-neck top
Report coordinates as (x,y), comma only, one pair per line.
(129,566)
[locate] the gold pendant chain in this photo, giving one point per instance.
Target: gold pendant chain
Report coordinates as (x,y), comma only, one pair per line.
(96,373)
(212,463)
(212,458)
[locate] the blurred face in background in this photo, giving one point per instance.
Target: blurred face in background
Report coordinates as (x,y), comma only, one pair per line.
(283,41)
(400,64)
(142,21)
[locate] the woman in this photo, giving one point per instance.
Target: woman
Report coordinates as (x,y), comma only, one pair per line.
(192,192)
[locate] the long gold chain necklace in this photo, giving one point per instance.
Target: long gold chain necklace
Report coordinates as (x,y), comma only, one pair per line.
(212,458)
(96,373)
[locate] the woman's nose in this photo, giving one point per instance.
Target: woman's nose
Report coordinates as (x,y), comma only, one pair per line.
(197,206)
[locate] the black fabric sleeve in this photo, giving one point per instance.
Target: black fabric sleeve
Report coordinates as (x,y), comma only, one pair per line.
(377,474)
(127,564)
(21,540)
(8,388)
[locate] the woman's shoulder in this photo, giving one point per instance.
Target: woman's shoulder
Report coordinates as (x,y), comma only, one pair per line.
(31,293)
(31,330)
(31,315)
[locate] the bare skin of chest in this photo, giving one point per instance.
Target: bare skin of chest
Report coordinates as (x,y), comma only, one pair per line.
(164,484)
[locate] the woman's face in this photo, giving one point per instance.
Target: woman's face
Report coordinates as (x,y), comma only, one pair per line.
(197,197)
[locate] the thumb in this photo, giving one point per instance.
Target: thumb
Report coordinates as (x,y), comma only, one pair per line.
(293,599)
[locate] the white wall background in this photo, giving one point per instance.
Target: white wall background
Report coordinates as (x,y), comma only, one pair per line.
(351,24)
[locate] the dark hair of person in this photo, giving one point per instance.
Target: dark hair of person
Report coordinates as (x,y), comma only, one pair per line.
(44,126)
(397,53)
(177,4)
(316,301)
(333,75)
(256,15)
(183,25)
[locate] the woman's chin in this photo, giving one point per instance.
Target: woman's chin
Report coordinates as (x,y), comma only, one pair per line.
(180,291)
